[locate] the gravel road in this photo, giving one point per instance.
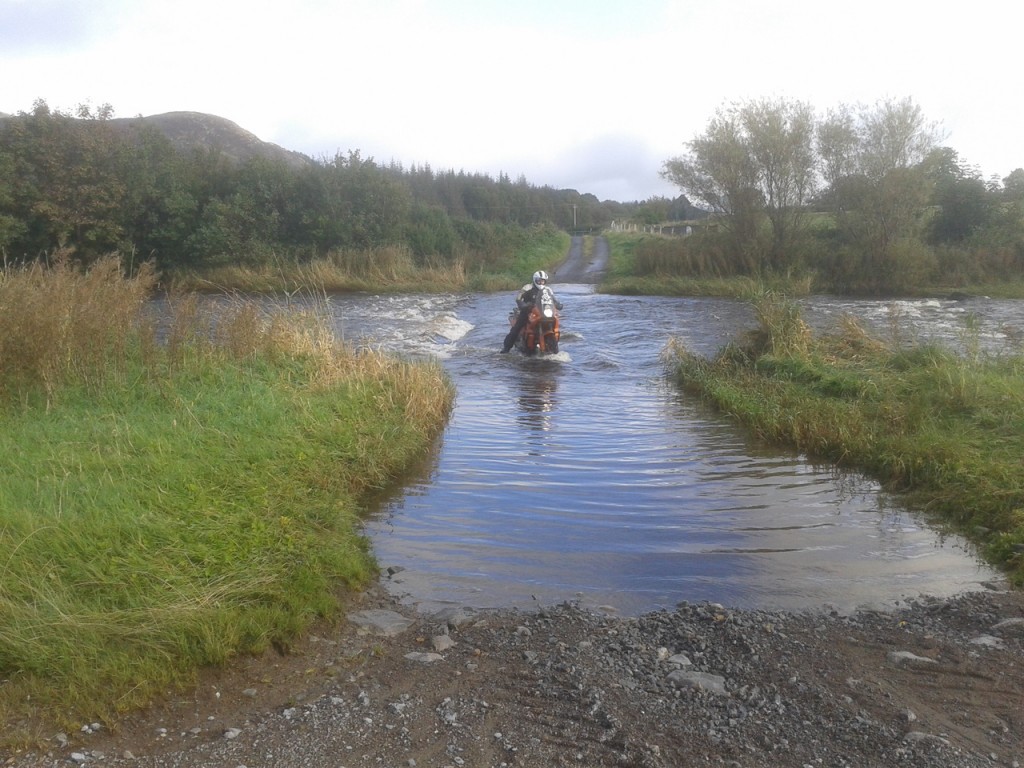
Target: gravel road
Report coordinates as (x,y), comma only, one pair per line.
(937,683)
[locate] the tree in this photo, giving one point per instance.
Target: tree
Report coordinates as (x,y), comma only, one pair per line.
(11,227)
(894,135)
(720,172)
(879,192)
(837,145)
(962,201)
(781,139)
(755,161)
(66,183)
(1013,185)
(653,211)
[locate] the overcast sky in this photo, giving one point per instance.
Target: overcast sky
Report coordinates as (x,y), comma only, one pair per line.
(588,94)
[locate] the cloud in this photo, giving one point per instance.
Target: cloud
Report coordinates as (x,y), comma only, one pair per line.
(611,167)
(568,94)
(41,26)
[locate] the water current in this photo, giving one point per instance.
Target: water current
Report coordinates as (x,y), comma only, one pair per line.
(588,477)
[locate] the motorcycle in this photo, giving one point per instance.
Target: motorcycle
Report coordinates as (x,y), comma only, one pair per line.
(540,334)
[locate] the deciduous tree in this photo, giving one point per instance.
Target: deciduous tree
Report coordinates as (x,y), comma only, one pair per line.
(720,172)
(838,145)
(962,202)
(880,200)
(781,139)
(754,161)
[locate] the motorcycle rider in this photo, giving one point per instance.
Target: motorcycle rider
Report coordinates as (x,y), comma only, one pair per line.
(526,298)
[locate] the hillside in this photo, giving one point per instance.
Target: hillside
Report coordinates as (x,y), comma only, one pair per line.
(189,130)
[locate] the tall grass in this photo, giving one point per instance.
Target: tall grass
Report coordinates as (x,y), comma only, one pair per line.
(390,269)
(644,264)
(60,327)
(170,505)
(944,428)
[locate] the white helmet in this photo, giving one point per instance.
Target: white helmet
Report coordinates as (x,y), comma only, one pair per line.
(540,277)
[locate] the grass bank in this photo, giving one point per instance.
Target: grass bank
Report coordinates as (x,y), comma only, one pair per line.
(392,269)
(658,265)
(169,505)
(705,264)
(945,429)
(1005,289)
(545,249)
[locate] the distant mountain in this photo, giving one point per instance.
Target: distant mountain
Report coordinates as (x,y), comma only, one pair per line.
(189,130)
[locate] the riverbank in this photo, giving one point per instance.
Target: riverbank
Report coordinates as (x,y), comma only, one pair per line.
(935,683)
(658,265)
(388,269)
(170,505)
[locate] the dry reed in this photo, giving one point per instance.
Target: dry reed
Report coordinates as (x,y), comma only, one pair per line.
(388,268)
(61,325)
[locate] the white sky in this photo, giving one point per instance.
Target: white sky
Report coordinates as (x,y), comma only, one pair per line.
(588,94)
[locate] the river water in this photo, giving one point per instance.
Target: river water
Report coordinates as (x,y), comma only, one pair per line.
(588,477)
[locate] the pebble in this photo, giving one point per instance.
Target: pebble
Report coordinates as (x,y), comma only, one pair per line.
(906,657)
(1014,626)
(919,736)
(698,680)
(441,643)
(423,657)
(381,622)
(988,641)
(698,669)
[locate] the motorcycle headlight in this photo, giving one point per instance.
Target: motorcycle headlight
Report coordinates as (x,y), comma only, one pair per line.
(549,312)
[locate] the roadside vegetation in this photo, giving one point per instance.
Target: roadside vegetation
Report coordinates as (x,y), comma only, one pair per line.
(863,200)
(182,491)
(943,427)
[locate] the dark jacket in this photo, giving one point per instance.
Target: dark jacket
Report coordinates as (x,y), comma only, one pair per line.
(528,296)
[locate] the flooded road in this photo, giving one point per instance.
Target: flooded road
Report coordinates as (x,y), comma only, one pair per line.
(588,477)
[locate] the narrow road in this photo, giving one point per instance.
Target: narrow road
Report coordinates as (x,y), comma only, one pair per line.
(581,266)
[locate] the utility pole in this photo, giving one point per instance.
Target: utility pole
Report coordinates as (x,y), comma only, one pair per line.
(573,215)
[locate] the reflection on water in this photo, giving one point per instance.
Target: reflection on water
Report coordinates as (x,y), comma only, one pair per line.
(536,409)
